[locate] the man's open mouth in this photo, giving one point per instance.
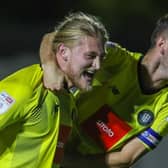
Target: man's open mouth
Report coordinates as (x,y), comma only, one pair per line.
(89,74)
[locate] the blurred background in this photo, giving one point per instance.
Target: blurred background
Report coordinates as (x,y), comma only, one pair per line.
(130,23)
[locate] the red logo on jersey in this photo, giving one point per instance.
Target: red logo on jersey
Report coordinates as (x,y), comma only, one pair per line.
(105,127)
(64,133)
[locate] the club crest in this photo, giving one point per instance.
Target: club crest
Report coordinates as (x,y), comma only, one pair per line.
(145,117)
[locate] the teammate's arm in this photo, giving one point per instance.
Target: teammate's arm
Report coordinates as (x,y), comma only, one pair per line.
(49,65)
(128,155)
(143,143)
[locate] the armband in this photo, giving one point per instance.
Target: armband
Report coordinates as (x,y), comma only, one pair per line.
(150,138)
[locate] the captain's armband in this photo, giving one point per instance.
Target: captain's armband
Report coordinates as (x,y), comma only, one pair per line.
(150,138)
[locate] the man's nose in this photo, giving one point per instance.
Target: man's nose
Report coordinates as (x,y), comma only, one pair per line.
(96,63)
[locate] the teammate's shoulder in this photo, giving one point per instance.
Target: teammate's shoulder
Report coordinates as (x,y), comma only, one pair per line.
(115,50)
(26,78)
(25,75)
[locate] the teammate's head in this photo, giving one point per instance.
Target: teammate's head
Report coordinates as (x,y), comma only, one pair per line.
(155,61)
(79,45)
(161,29)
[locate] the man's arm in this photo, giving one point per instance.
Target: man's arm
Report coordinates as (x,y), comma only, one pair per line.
(128,155)
(125,158)
(53,77)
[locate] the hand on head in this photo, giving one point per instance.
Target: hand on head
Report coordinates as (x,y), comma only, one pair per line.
(53,77)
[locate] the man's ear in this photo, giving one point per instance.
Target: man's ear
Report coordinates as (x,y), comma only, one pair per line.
(63,52)
(62,55)
(161,43)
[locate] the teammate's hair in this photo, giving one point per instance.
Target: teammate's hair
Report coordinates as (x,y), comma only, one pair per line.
(76,25)
(160,28)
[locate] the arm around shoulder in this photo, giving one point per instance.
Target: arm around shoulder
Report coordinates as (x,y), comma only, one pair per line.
(53,77)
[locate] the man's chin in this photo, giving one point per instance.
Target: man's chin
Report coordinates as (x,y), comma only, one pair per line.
(150,90)
(85,88)
(83,84)
(88,88)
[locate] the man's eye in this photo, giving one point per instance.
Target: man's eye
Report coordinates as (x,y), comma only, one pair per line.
(91,56)
(103,56)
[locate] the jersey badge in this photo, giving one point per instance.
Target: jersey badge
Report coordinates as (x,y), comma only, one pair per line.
(6,102)
(145,117)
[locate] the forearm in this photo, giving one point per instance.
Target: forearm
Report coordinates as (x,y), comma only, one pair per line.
(46,48)
(53,77)
(128,155)
(116,160)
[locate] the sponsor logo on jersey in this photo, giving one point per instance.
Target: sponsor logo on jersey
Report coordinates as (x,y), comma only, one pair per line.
(105,127)
(145,117)
(5,102)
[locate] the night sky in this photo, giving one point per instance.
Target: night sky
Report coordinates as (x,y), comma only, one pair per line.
(129,22)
